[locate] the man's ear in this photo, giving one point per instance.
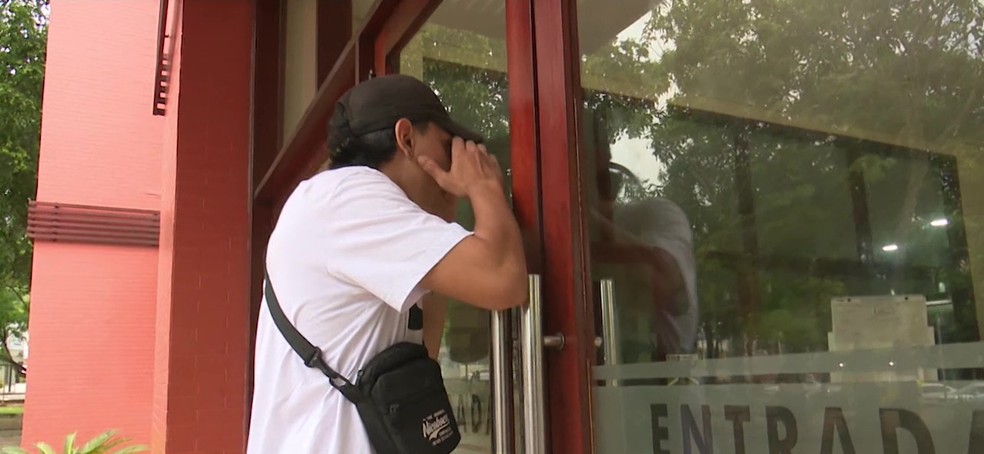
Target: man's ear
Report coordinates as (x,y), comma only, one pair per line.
(403,132)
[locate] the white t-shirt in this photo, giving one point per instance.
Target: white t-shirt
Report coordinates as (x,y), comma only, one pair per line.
(661,223)
(346,259)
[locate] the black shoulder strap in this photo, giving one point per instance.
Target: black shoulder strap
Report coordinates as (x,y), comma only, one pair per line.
(311,355)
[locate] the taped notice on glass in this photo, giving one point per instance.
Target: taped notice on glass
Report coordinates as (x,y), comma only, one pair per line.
(849,418)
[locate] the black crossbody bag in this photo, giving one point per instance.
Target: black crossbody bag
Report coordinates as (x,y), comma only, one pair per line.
(399,394)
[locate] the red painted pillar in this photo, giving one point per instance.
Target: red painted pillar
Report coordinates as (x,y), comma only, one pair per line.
(93,306)
(201,361)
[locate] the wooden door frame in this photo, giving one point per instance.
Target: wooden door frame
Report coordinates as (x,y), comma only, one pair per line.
(567,291)
(302,151)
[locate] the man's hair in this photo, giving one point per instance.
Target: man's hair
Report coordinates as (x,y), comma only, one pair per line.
(372,149)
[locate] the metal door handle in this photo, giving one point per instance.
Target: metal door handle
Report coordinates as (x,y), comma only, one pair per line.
(609,323)
(532,341)
(502,390)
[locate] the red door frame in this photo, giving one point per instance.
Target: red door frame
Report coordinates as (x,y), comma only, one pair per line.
(544,95)
(566,280)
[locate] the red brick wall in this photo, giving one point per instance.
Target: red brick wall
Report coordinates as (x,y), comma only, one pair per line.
(93,307)
(100,145)
(204,269)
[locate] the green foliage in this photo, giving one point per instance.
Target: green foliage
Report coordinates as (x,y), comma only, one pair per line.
(778,91)
(12,410)
(106,443)
(23,39)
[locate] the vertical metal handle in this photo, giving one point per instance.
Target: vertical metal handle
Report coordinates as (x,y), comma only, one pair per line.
(534,417)
(502,390)
(609,323)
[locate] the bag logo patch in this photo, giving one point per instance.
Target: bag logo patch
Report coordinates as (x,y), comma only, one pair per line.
(437,427)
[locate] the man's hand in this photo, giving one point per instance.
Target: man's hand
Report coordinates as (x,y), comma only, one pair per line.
(488,268)
(472,169)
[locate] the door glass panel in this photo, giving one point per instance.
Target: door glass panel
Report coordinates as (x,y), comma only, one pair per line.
(300,54)
(360,11)
(786,204)
(461,53)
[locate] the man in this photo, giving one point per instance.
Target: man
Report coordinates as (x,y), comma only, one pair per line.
(663,227)
(655,232)
(356,248)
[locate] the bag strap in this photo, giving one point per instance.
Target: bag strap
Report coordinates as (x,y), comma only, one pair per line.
(311,355)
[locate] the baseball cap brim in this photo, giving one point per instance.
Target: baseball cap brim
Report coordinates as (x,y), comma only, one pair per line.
(457,130)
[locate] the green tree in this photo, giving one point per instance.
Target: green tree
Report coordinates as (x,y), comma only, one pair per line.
(759,113)
(23,38)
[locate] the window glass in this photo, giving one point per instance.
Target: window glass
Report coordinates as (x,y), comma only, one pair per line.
(300,60)
(786,205)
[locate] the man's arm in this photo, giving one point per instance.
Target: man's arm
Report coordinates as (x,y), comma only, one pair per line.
(488,268)
(435,313)
(665,276)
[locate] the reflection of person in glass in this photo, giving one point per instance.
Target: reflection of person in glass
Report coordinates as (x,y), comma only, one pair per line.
(655,232)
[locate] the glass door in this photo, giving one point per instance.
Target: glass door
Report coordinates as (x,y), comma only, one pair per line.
(466,66)
(784,205)
(461,51)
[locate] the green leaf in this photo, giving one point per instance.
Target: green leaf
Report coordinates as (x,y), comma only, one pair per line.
(70,444)
(46,448)
(102,443)
(133,450)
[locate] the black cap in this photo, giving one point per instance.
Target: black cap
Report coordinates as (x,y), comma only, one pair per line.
(380,102)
